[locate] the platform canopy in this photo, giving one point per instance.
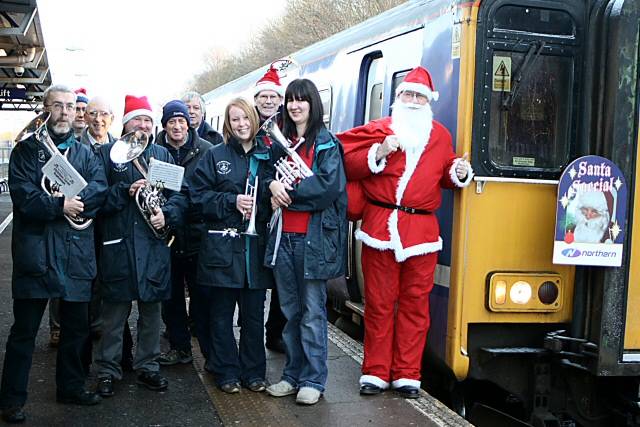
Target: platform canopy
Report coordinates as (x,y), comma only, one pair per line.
(24,68)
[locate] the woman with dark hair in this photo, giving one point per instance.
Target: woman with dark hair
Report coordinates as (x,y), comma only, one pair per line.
(306,247)
(230,267)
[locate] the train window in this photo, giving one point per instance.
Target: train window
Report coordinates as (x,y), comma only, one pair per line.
(397,79)
(325,96)
(530,122)
(375,88)
(523,19)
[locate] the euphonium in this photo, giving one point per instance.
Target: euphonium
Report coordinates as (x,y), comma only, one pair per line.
(287,171)
(38,128)
(148,197)
(252,190)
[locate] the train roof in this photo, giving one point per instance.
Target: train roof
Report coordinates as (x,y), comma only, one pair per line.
(379,27)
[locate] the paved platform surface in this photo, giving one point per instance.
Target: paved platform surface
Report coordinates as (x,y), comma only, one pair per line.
(193,400)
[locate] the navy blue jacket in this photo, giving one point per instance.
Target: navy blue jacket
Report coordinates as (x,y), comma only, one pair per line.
(324,195)
(134,264)
(206,132)
(189,233)
(228,260)
(51,259)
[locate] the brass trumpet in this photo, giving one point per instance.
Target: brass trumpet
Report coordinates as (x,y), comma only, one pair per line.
(252,191)
(38,128)
(149,197)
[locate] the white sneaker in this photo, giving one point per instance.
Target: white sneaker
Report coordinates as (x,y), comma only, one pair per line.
(308,396)
(283,388)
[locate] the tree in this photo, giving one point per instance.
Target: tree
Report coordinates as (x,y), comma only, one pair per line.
(303,23)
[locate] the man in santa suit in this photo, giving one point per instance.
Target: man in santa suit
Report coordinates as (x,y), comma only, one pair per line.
(397,166)
(592,217)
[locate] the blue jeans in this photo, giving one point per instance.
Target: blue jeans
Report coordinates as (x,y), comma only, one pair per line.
(228,364)
(303,303)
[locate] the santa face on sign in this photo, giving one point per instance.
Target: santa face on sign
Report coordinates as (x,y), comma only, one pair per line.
(592,217)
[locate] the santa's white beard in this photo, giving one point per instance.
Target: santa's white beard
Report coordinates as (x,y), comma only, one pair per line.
(412,124)
(590,230)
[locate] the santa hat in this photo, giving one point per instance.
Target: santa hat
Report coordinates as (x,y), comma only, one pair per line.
(602,201)
(419,80)
(134,106)
(81,95)
(270,81)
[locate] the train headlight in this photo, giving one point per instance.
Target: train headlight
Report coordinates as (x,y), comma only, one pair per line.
(524,292)
(520,292)
(500,292)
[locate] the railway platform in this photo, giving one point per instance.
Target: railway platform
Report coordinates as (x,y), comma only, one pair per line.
(192,398)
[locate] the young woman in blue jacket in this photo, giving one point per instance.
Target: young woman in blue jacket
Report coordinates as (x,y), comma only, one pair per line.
(307,244)
(230,268)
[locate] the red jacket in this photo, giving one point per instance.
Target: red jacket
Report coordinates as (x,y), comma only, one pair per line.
(411,179)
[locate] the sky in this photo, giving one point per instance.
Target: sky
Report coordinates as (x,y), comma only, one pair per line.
(141,47)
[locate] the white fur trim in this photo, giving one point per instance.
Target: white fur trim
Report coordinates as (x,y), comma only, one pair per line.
(405,381)
(454,176)
(135,113)
(401,254)
(374,166)
(268,86)
(419,88)
(372,379)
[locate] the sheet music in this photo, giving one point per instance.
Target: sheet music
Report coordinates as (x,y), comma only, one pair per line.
(165,175)
(63,176)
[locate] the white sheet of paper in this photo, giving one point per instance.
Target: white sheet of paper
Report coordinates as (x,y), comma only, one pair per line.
(63,176)
(165,175)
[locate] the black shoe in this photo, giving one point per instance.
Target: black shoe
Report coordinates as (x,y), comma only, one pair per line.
(368,389)
(153,381)
(231,388)
(408,392)
(14,415)
(83,398)
(257,386)
(276,345)
(105,386)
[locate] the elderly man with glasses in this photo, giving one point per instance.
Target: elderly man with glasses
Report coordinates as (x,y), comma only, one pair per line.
(51,259)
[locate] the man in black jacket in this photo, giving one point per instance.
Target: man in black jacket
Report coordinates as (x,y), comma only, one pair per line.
(197,117)
(51,259)
(135,258)
(186,148)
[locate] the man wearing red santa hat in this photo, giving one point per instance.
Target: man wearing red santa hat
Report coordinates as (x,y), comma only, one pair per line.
(398,165)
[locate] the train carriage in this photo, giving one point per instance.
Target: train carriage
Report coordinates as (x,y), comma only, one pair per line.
(526,86)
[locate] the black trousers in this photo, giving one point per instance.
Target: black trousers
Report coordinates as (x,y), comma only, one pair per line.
(74,330)
(276,321)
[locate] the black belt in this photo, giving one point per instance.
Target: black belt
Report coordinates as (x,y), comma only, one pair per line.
(400,208)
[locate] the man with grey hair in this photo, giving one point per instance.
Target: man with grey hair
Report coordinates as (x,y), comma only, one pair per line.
(197,115)
(51,258)
(98,117)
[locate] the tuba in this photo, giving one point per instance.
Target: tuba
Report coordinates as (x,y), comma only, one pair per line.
(287,171)
(149,197)
(38,128)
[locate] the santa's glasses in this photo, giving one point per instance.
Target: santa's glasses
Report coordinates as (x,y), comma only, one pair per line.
(411,96)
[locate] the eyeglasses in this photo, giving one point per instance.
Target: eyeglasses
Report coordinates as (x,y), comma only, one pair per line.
(415,96)
(59,106)
(265,98)
(103,114)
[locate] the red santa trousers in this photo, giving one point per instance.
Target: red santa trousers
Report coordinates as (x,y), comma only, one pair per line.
(396,314)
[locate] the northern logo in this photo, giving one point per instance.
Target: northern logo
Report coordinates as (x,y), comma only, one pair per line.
(571,252)
(223,167)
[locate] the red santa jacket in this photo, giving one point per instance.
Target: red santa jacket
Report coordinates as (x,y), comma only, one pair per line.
(410,179)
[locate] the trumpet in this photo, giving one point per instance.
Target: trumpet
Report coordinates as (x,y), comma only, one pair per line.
(287,171)
(38,128)
(252,191)
(148,197)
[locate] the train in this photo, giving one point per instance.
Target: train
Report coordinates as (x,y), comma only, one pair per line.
(526,86)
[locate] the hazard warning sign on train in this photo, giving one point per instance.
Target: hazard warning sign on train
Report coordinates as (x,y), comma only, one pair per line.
(501,74)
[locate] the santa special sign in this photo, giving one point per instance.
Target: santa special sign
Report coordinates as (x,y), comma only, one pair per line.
(590,214)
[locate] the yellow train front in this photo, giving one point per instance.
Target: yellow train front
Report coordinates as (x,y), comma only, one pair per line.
(541,83)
